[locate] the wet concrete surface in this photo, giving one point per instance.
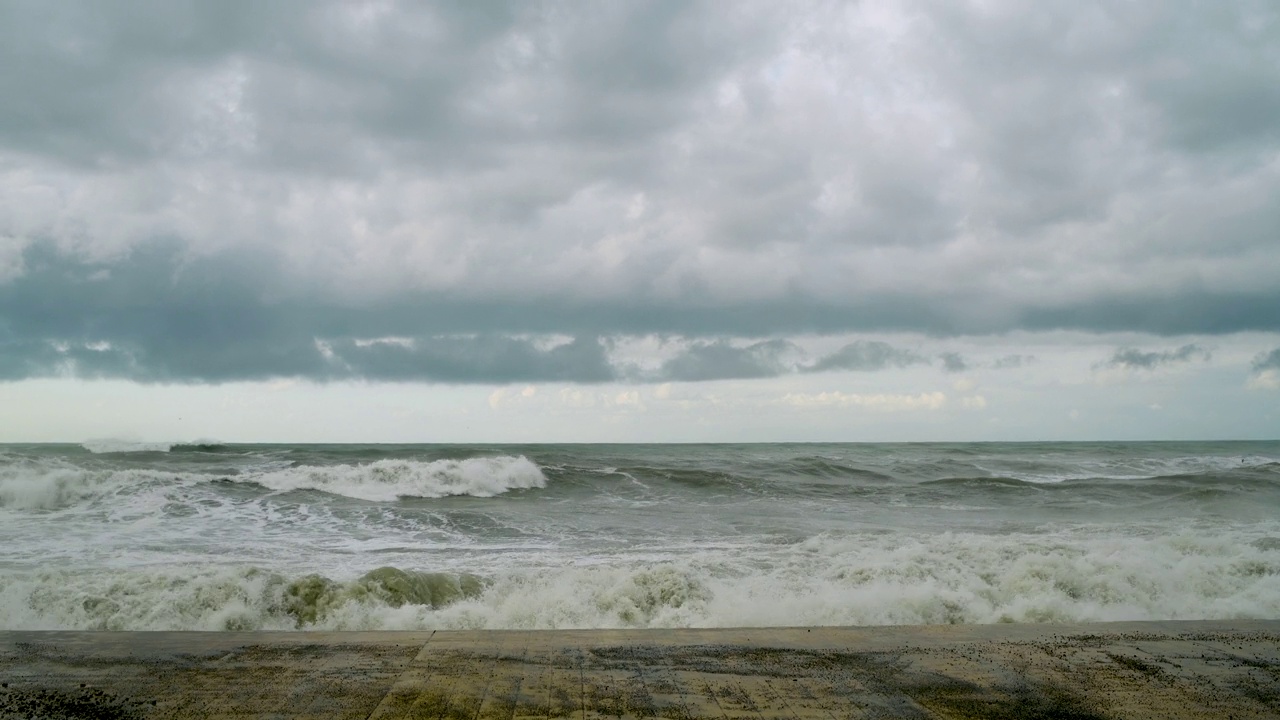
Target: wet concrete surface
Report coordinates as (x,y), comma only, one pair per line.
(1077,672)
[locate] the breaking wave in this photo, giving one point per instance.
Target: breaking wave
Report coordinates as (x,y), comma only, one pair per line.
(49,484)
(387,480)
(53,485)
(823,580)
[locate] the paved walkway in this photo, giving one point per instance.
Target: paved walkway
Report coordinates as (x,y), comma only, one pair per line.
(1080,672)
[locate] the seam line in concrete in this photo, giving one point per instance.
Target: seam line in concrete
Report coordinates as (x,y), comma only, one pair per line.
(394,681)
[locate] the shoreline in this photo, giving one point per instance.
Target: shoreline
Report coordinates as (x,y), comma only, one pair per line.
(1174,669)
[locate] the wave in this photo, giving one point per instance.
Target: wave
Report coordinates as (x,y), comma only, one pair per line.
(50,485)
(388,480)
(111,446)
(219,598)
(1047,471)
(982,483)
(828,579)
(1261,475)
(54,484)
(203,446)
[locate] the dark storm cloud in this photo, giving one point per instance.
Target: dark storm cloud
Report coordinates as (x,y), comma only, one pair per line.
(485,359)
(163,315)
(195,191)
(1267,361)
(160,317)
(1135,359)
(341,87)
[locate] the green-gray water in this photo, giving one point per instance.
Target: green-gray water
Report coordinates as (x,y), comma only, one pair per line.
(287,537)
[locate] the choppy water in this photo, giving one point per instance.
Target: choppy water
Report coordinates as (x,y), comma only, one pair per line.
(212,537)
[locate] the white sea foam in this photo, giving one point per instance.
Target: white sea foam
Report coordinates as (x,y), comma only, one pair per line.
(387,480)
(50,485)
(826,580)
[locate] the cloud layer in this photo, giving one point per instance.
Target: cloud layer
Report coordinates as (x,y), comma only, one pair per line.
(495,192)
(1135,359)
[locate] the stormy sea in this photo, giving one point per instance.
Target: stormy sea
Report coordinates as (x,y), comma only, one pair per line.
(121,536)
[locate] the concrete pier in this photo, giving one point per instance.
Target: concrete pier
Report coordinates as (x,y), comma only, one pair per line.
(1080,672)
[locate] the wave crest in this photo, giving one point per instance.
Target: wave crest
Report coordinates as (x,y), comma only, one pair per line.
(228,599)
(387,480)
(52,486)
(315,597)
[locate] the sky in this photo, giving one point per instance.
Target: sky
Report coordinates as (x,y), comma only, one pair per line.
(888,220)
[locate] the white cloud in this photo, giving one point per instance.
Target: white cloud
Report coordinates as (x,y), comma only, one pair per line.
(402,342)
(578,398)
(628,398)
(497,397)
(878,401)
(1268,379)
(510,396)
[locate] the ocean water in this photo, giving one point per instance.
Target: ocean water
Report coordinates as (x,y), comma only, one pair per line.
(238,537)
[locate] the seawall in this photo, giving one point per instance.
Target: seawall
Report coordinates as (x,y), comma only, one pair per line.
(1195,669)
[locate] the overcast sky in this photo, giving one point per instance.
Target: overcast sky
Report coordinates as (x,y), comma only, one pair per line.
(632,221)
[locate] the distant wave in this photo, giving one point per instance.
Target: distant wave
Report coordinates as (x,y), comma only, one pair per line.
(983,483)
(1043,471)
(387,480)
(1231,482)
(203,446)
(106,446)
(50,484)
(110,446)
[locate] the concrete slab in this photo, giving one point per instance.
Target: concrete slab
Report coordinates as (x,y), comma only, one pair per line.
(1080,672)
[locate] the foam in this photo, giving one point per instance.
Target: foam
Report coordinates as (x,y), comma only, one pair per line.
(388,480)
(50,485)
(54,484)
(851,579)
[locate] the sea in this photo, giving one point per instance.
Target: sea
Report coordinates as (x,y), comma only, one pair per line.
(132,536)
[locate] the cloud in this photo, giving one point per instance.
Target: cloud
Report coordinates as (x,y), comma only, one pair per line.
(1134,359)
(867,355)
(719,359)
(878,401)
(463,359)
(1265,373)
(953,362)
(1266,361)
(164,314)
(210,188)
(1012,361)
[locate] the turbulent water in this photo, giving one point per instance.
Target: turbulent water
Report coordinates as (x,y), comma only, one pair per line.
(212,537)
